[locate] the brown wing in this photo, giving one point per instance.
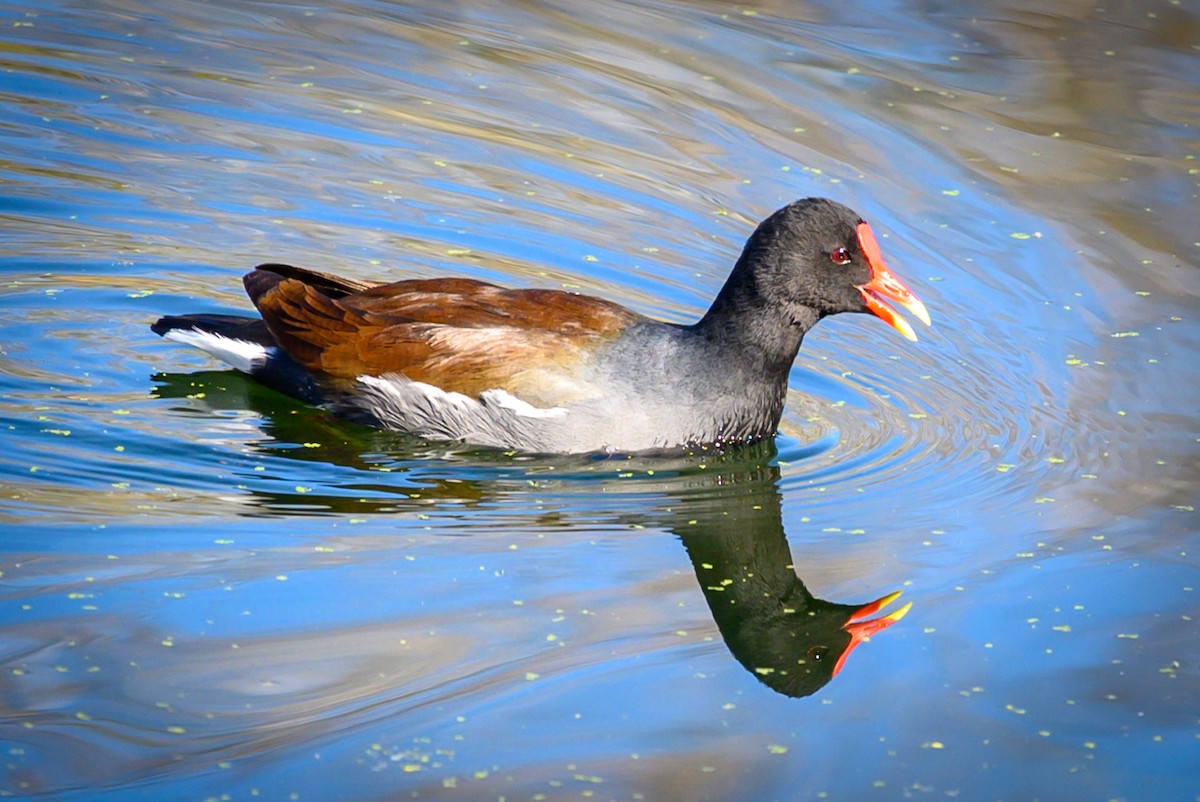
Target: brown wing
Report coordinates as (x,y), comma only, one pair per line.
(459,334)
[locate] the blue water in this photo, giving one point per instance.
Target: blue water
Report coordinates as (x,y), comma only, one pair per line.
(211,591)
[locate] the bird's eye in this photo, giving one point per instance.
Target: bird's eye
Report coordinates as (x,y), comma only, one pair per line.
(840,257)
(817,653)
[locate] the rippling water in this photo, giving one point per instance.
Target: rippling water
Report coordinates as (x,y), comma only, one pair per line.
(210,590)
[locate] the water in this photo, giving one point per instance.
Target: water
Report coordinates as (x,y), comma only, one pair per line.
(210,590)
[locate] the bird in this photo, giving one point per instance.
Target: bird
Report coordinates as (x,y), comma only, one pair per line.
(556,372)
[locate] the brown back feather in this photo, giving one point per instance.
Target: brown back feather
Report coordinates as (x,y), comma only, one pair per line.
(459,334)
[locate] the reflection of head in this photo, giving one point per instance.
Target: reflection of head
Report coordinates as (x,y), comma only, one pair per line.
(790,640)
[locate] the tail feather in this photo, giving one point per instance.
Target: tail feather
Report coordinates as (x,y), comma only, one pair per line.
(247,345)
(233,327)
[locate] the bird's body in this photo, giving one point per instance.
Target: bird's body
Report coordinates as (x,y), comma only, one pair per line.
(550,371)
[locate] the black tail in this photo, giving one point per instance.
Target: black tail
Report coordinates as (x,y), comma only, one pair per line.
(235,327)
(278,371)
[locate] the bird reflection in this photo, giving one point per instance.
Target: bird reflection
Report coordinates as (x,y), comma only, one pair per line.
(725,507)
(789,639)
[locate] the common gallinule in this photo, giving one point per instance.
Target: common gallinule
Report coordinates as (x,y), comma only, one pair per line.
(543,370)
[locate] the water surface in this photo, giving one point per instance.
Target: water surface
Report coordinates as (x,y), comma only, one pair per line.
(208,589)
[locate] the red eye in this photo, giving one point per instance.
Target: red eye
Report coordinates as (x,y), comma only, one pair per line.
(840,257)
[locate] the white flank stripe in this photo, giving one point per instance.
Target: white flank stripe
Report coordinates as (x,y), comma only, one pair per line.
(506,400)
(502,399)
(242,354)
(395,386)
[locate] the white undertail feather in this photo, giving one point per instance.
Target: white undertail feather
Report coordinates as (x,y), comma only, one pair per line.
(244,355)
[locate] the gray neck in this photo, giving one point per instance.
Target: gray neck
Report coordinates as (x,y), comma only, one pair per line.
(747,346)
(724,378)
(711,379)
(760,334)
